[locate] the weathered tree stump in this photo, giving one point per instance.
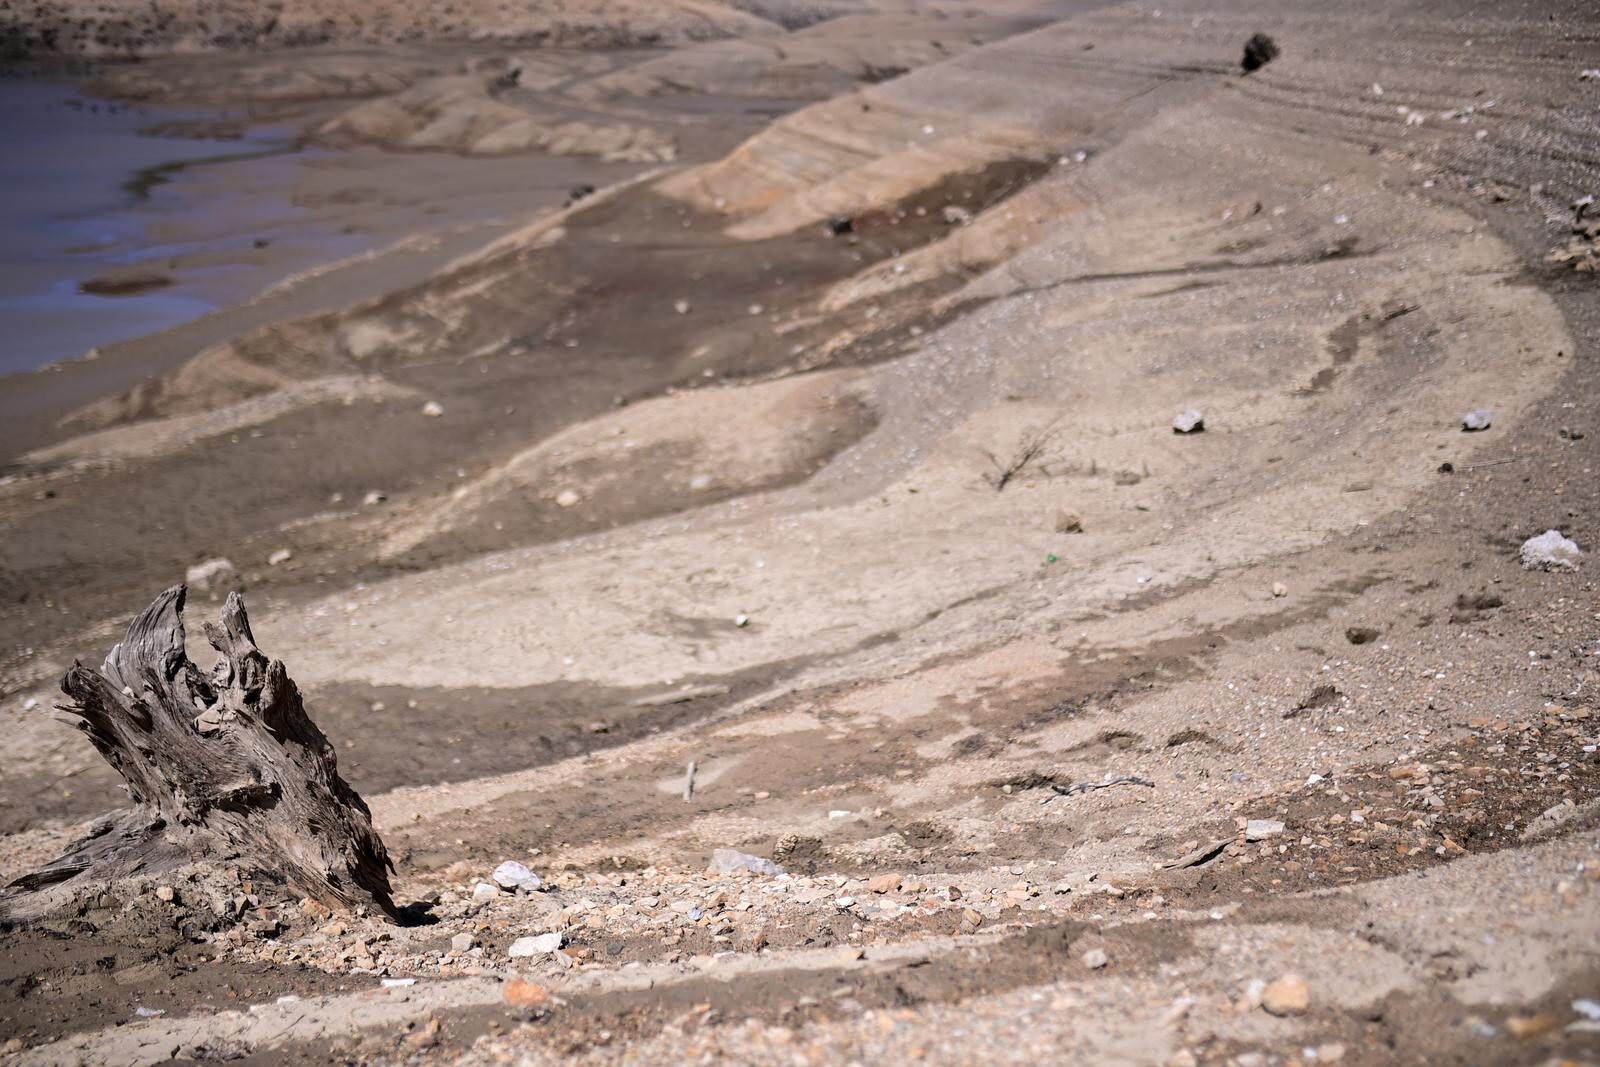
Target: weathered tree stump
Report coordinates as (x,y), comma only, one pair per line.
(225,768)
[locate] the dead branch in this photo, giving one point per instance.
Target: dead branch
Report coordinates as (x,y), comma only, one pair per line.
(1031,447)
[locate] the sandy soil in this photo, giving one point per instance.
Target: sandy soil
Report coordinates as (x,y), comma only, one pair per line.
(690,471)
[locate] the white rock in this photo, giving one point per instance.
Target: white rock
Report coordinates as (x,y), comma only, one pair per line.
(1190,421)
(282,555)
(741,620)
(432,409)
(567,498)
(373,498)
(211,575)
(1475,420)
(398,983)
(483,892)
(1095,959)
(462,943)
(542,945)
(681,306)
(513,875)
(700,482)
(1259,829)
(1550,552)
(728,860)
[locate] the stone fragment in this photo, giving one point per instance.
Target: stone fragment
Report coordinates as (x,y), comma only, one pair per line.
(520,993)
(539,945)
(1261,829)
(1190,421)
(513,875)
(1288,995)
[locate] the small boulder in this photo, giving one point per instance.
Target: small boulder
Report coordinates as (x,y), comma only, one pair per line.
(1095,959)
(1550,551)
(1475,420)
(513,876)
(282,555)
(483,892)
(1190,421)
(462,943)
(432,409)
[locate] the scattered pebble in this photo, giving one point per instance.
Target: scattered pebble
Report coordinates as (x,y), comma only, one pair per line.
(432,409)
(539,945)
(1288,995)
(1475,420)
(1261,829)
(1095,959)
(281,555)
(1190,421)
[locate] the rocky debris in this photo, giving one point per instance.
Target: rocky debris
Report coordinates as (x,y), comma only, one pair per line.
(727,861)
(1259,50)
(1475,420)
(516,877)
(1550,551)
(483,893)
(1361,635)
(1288,995)
(462,943)
(279,556)
(1261,829)
(213,576)
(537,945)
(955,215)
(1189,421)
